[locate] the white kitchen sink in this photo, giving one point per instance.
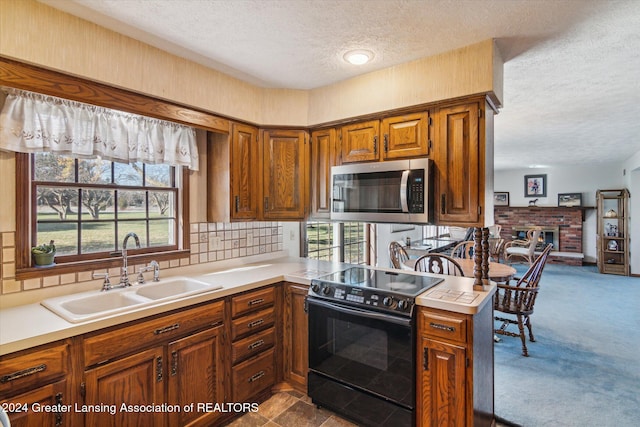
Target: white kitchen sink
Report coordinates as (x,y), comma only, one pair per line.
(173,287)
(92,305)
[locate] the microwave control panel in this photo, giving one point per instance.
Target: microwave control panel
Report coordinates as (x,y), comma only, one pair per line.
(416,191)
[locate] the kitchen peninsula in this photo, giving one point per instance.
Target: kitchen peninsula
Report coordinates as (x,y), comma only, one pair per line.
(78,357)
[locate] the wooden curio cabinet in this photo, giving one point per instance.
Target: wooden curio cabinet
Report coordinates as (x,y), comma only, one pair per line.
(613,231)
(324,154)
(462,132)
(285,182)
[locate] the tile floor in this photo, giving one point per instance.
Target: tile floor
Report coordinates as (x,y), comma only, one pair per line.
(290,409)
(294,409)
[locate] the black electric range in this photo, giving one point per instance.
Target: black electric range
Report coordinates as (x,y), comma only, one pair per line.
(385,291)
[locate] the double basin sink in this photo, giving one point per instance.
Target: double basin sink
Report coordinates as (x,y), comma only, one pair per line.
(91,305)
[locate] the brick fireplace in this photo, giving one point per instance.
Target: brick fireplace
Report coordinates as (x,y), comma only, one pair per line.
(562,226)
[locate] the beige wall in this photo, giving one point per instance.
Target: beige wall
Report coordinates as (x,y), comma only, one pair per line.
(36,33)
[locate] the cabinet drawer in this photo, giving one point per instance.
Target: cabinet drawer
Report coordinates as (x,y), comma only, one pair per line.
(253,344)
(252,323)
(34,367)
(116,342)
(253,376)
(252,301)
(448,326)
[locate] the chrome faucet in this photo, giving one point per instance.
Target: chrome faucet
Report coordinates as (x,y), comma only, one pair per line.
(153,265)
(124,275)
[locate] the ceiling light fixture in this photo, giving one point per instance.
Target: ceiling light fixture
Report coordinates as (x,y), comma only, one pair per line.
(358,57)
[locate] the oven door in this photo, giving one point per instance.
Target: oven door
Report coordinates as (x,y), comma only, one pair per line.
(361,363)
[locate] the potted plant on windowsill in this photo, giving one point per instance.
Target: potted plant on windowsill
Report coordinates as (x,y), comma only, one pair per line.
(43,254)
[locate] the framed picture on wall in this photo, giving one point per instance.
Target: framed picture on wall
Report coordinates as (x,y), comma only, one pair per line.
(569,199)
(535,185)
(501,198)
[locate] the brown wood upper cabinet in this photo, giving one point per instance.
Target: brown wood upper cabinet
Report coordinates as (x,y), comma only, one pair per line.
(461,162)
(254,175)
(391,138)
(324,154)
(285,188)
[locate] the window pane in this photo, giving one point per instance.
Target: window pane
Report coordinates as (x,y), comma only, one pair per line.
(132,204)
(94,171)
(128,174)
(98,237)
(52,167)
(63,234)
(162,232)
(97,204)
(161,203)
(158,175)
(56,203)
(138,227)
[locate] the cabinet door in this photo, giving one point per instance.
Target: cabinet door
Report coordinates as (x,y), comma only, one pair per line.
(359,142)
(195,374)
(324,154)
(244,172)
(134,380)
(458,165)
(296,351)
(20,408)
(442,375)
(286,183)
(405,136)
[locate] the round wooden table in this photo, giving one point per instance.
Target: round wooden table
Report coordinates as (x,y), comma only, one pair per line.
(500,273)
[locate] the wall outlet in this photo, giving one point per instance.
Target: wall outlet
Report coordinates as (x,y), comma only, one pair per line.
(292,235)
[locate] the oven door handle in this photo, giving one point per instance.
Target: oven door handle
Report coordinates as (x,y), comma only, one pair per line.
(362,313)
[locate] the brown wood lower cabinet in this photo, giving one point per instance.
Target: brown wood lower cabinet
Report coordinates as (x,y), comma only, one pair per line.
(182,364)
(33,379)
(296,333)
(454,368)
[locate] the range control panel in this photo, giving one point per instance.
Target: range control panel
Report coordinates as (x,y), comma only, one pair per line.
(364,297)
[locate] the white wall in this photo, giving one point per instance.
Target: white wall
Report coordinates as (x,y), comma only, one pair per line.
(631,170)
(386,235)
(585,180)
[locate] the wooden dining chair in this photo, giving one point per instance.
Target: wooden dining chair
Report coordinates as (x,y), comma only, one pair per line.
(397,254)
(463,250)
(438,263)
(517,301)
(522,249)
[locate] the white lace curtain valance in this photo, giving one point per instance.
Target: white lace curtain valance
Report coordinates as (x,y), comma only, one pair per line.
(31,122)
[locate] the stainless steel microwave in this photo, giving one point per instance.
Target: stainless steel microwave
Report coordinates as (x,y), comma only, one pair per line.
(398,191)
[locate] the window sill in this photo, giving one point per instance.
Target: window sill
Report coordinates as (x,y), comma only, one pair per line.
(77,267)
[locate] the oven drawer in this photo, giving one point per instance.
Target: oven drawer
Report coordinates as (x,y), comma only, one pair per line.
(252,301)
(252,322)
(251,345)
(448,326)
(253,376)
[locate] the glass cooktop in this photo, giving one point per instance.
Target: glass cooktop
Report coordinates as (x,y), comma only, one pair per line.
(403,284)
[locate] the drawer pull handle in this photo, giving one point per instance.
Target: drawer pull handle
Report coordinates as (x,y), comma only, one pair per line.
(257,376)
(166,329)
(255,323)
(21,374)
(255,301)
(256,344)
(442,327)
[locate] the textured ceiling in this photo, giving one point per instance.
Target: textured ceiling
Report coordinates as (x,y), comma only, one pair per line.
(571,75)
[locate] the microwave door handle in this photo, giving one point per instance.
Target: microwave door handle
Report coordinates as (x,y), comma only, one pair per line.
(403,191)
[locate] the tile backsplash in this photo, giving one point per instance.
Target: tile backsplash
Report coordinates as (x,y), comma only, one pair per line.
(209,242)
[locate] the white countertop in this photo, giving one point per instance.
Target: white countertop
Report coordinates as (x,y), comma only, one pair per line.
(30,324)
